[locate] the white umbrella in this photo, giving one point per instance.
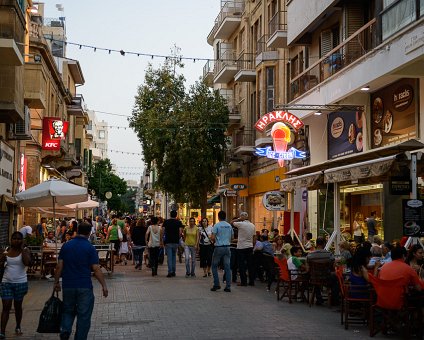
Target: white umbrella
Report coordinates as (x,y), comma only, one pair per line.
(50,193)
(88,204)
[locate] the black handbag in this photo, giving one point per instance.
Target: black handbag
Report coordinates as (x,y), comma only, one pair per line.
(51,315)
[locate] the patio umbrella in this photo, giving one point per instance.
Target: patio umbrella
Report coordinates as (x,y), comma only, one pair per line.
(87,204)
(51,193)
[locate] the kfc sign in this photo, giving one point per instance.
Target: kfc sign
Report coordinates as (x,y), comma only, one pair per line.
(54,130)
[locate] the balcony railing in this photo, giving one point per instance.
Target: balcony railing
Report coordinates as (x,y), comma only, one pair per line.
(276,23)
(244,138)
(78,107)
(261,45)
(11,26)
(208,70)
(245,61)
(350,50)
(227,58)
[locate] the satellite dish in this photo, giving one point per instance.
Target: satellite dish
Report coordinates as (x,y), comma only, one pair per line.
(108,195)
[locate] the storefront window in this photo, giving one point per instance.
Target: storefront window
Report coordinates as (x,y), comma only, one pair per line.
(261,217)
(357,203)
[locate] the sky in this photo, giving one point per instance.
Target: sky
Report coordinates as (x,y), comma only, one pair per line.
(111,80)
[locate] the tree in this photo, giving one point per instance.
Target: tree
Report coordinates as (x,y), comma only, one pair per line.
(103,180)
(182,134)
(128,201)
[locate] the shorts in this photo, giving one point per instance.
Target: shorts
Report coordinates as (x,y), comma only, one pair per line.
(13,291)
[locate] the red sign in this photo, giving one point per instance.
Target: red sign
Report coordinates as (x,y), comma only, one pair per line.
(54,130)
(278,116)
(23,173)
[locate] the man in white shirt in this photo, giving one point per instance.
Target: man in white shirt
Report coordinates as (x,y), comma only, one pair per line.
(26,230)
(245,242)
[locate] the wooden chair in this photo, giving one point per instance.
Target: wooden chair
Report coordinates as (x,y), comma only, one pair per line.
(289,288)
(320,277)
(356,301)
(392,310)
(48,263)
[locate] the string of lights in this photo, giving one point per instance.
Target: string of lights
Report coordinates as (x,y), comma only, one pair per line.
(153,55)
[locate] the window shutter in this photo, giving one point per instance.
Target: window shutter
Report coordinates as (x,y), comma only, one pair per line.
(354,20)
(326,42)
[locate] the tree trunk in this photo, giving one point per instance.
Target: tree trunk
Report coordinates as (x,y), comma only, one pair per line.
(204,204)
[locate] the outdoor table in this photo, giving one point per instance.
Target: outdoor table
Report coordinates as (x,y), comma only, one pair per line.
(105,253)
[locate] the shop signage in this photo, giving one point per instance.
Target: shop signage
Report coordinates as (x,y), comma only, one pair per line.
(393,113)
(358,172)
(54,130)
(399,185)
(230,193)
(7,159)
(238,187)
(274,200)
(413,217)
(281,136)
(23,173)
(278,116)
(345,134)
(285,155)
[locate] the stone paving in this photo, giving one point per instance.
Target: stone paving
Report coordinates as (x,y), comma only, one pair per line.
(140,306)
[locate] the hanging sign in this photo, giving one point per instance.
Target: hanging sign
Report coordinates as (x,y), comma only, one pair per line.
(273,200)
(413,218)
(238,186)
(54,130)
(281,136)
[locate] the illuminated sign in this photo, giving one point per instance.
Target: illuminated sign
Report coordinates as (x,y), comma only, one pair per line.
(278,116)
(7,159)
(54,130)
(285,155)
(23,173)
(281,136)
(238,187)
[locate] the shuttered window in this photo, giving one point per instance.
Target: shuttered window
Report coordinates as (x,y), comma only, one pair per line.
(354,20)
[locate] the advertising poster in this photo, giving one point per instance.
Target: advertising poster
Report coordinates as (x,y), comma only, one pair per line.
(54,130)
(393,111)
(345,133)
(413,218)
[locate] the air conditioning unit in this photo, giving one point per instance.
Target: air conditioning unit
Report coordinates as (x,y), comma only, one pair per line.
(22,129)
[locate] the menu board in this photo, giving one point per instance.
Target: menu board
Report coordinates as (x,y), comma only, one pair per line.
(413,218)
(344,133)
(393,111)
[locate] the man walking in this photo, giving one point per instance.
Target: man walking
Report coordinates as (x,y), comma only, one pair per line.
(222,235)
(173,230)
(245,242)
(77,259)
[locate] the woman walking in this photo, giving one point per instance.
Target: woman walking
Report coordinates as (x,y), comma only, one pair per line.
(14,285)
(154,240)
(206,247)
(124,246)
(113,237)
(191,241)
(138,238)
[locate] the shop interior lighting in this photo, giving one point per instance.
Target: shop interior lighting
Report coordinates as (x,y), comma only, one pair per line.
(365,88)
(361,188)
(318,113)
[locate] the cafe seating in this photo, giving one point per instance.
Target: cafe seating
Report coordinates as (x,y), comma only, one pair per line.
(105,254)
(356,301)
(320,277)
(48,263)
(390,312)
(286,287)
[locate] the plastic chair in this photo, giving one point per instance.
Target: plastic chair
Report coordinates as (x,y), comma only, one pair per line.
(391,305)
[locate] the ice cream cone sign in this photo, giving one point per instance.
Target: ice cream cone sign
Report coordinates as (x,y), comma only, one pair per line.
(280,134)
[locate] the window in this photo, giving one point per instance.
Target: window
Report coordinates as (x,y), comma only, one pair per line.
(90,125)
(78,146)
(329,39)
(397,15)
(270,89)
(102,134)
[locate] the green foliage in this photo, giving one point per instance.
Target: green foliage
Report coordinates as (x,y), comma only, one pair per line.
(34,240)
(103,180)
(182,134)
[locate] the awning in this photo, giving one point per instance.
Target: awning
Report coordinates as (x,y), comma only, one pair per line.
(373,168)
(371,155)
(214,199)
(4,201)
(305,181)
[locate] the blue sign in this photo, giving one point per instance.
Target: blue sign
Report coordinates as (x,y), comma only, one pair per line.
(287,155)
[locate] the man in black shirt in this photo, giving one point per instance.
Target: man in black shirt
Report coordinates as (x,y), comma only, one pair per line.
(173,229)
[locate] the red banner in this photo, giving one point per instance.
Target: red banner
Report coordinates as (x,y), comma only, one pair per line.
(54,130)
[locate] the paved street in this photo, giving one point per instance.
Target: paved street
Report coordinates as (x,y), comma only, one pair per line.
(142,307)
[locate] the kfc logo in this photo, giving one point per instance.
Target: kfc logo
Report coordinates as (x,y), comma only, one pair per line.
(54,129)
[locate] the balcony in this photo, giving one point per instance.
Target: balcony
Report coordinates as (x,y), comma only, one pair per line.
(264,53)
(35,83)
(208,72)
(263,139)
(12,34)
(244,142)
(227,21)
(246,70)
(225,67)
(346,53)
(77,107)
(11,94)
(277,29)
(233,108)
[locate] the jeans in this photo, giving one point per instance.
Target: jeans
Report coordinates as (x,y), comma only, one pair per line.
(171,254)
(190,258)
(138,254)
(224,254)
(245,262)
(77,302)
